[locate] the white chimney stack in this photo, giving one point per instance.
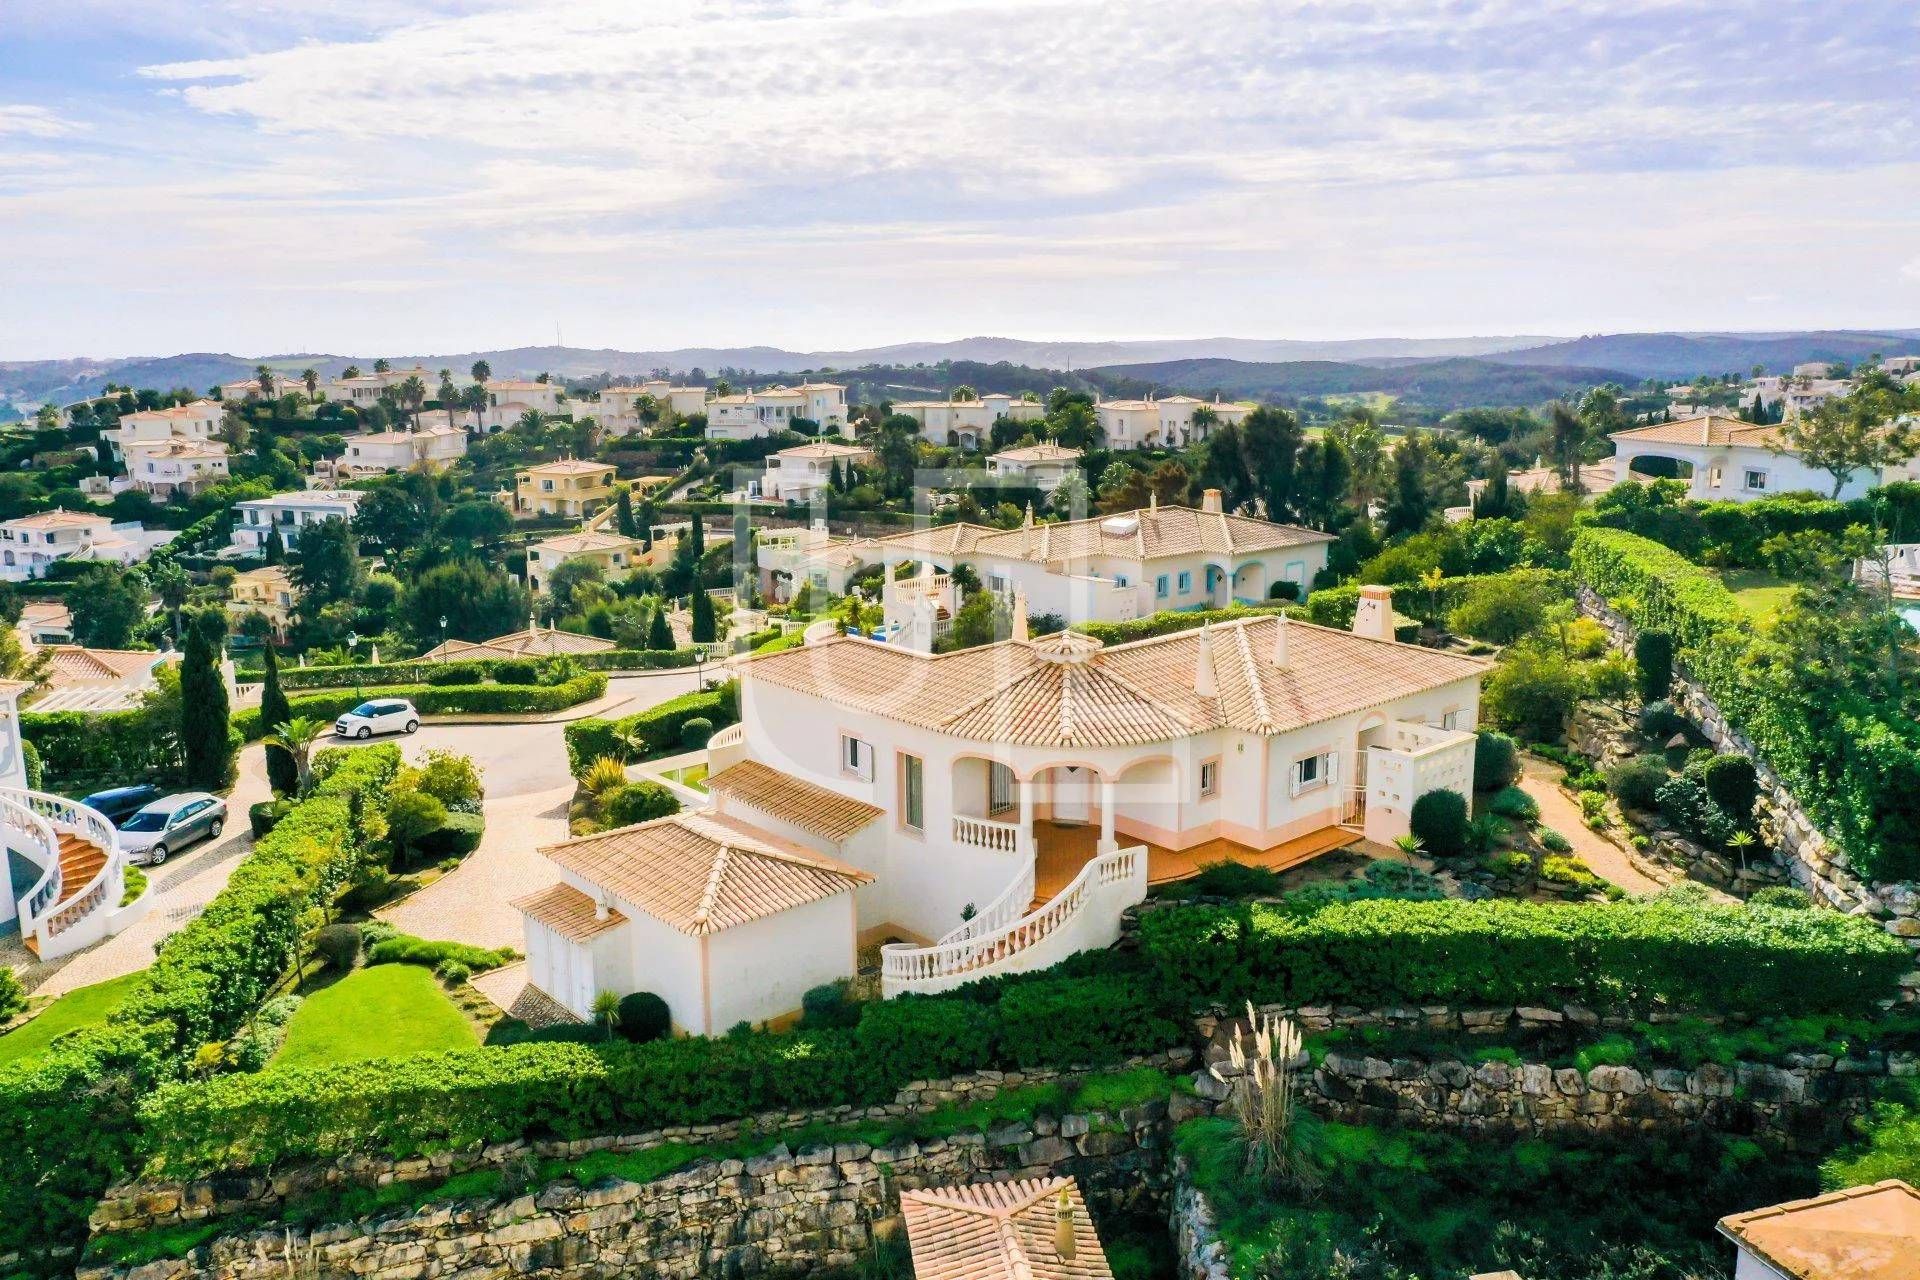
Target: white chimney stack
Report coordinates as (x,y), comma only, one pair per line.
(1020,616)
(1204,682)
(1210,501)
(1280,641)
(1373,616)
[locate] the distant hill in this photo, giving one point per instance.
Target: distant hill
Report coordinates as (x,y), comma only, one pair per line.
(1436,384)
(1688,355)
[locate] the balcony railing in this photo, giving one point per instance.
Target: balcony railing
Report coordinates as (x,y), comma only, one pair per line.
(986,833)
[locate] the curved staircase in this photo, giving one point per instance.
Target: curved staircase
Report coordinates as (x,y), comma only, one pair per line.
(75,900)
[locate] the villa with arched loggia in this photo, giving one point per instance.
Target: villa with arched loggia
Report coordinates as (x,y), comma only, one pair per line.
(996,809)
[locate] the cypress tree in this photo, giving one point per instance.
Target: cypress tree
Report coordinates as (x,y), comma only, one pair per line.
(646,521)
(659,634)
(282,773)
(835,481)
(623,515)
(204,710)
(276,546)
(703,628)
(697,532)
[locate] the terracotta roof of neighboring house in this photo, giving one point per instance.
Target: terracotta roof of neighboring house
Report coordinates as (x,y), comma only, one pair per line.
(45,615)
(536,642)
(178,447)
(1595,477)
(73,664)
(701,872)
(1057,692)
(812,808)
(448,650)
(272,575)
(1709,429)
(515,384)
(194,409)
(1863,1233)
(1146,534)
(1000,1231)
(568,912)
(825,449)
(587,540)
(819,386)
(60,520)
(404,437)
(568,467)
(1036,453)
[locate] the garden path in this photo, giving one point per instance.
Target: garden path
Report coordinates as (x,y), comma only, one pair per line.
(1541,780)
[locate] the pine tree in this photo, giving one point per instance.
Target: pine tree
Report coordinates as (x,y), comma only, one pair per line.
(659,634)
(204,708)
(623,514)
(276,546)
(703,627)
(283,775)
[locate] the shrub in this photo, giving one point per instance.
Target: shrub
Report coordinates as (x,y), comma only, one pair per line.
(644,1017)
(13,996)
(695,732)
(1234,880)
(262,816)
(1515,804)
(1569,871)
(1512,864)
(1605,955)
(1496,760)
(1439,821)
(404,948)
(639,802)
(828,1005)
(456,673)
(456,837)
(1782,897)
(520,671)
(1733,784)
(452,972)
(1684,802)
(652,731)
(1653,661)
(1553,842)
(1659,721)
(338,945)
(1533,691)
(1636,783)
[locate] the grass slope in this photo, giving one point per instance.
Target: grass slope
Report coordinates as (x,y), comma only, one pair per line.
(381,1012)
(83,1007)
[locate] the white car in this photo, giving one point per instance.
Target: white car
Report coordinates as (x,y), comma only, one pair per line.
(394,715)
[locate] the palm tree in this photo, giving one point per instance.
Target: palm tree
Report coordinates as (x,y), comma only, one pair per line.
(449,395)
(1569,437)
(351,371)
(474,401)
(310,378)
(482,371)
(296,737)
(382,366)
(647,409)
(412,393)
(964,394)
(264,376)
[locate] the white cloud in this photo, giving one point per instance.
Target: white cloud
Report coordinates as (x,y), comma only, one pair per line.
(25,121)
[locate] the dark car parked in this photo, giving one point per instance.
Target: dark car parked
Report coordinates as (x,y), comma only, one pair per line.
(121,803)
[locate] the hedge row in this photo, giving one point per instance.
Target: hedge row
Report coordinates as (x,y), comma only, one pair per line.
(111,744)
(1848,752)
(651,731)
(1755,960)
(1167,622)
(1732,533)
(67,1115)
(417,672)
(1335,606)
(444,699)
(402,1106)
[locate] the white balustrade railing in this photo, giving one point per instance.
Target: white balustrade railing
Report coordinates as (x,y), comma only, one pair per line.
(34,838)
(986,833)
(48,914)
(1014,901)
(731,736)
(946,964)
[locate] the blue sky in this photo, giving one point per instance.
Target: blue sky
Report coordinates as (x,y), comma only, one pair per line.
(417,177)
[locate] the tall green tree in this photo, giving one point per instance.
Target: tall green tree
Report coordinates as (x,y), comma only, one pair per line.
(623,513)
(647,519)
(478,600)
(326,567)
(107,603)
(205,737)
(1272,439)
(697,535)
(275,547)
(704,630)
(1324,480)
(659,632)
(1410,502)
(283,772)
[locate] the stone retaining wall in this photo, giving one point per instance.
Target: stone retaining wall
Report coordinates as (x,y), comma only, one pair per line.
(1197,1251)
(1804,854)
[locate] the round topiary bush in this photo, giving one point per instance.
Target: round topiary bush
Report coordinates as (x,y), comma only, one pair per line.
(643,1017)
(1733,784)
(695,732)
(1515,805)
(1439,822)
(338,945)
(1496,761)
(1653,664)
(1636,783)
(1284,591)
(456,673)
(517,671)
(828,1005)
(639,802)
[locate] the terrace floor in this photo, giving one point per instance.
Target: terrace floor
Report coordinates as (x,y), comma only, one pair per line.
(1063,848)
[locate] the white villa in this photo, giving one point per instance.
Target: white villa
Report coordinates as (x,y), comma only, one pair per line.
(508,399)
(994,810)
(797,474)
(167,467)
(199,422)
(759,413)
(1127,565)
(615,553)
(29,545)
(1724,458)
(1036,466)
(1154,423)
(789,557)
(967,424)
(384,452)
(290,513)
(618,408)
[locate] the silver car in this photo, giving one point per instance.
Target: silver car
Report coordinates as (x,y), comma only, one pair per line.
(167,826)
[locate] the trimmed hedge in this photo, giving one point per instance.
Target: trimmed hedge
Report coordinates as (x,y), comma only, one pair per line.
(1335,606)
(80,745)
(1620,955)
(456,699)
(1849,754)
(341,677)
(654,730)
(1168,621)
(402,1106)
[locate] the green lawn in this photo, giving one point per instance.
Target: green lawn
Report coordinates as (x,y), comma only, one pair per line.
(84,1007)
(1760,593)
(694,775)
(381,1012)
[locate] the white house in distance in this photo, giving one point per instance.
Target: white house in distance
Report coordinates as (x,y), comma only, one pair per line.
(290,513)
(789,557)
(1862,1233)
(1127,565)
(1154,423)
(1036,466)
(967,424)
(175,466)
(508,399)
(29,545)
(199,421)
(618,408)
(613,552)
(1724,458)
(797,474)
(996,809)
(759,413)
(434,448)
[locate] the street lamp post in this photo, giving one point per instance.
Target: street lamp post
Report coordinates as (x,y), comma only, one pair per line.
(700,666)
(443,637)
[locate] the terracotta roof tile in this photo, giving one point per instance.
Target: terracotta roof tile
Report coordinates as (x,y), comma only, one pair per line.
(1709,429)
(701,873)
(1864,1233)
(1000,1231)
(568,912)
(812,808)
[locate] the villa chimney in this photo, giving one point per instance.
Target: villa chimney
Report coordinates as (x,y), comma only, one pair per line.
(1204,683)
(1063,1241)
(1280,641)
(599,907)
(1373,616)
(1020,616)
(1210,501)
